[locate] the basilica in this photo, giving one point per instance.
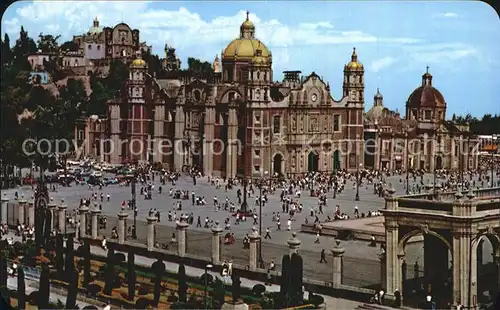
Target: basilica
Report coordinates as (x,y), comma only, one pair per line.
(239,121)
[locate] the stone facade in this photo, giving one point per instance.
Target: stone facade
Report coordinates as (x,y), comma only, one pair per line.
(237,121)
(422,139)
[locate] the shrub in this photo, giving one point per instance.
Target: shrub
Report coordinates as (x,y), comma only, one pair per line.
(142,303)
(93,289)
(258,290)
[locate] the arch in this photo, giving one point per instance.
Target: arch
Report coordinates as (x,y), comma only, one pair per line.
(278,159)
(439,162)
(494,240)
(336,160)
(312,161)
(231,89)
(416,232)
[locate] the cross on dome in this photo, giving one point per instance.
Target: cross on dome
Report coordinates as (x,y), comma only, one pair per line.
(248,13)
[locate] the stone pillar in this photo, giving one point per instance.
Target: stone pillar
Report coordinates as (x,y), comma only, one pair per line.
(31,213)
(383,269)
(5,202)
(62,218)
(83,220)
(95,223)
(181,238)
(122,218)
(497,263)
(216,233)
(22,206)
(338,254)
(462,292)
(151,232)
(52,208)
(254,239)
(293,244)
(391,257)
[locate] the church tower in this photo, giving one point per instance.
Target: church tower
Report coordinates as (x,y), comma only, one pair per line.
(354,81)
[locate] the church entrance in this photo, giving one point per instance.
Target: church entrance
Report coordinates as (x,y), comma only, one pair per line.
(312,161)
(277,160)
(336,160)
(439,163)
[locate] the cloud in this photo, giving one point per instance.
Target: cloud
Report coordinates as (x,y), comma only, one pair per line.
(441,53)
(183,28)
(446,15)
(379,64)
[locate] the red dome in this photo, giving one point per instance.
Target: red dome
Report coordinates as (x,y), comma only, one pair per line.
(426,97)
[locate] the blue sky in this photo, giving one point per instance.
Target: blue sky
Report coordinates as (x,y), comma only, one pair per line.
(395,41)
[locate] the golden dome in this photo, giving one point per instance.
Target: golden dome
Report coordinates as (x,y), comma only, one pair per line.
(259,60)
(246,48)
(354,64)
(138,63)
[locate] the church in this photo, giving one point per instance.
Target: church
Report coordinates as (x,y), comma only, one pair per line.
(238,122)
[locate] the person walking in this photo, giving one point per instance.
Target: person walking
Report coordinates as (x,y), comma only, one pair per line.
(268,234)
(317,238)
(323,256)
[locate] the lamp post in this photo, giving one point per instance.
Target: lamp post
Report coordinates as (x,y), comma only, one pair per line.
(407,165)
(133,204)
(261,183)
(435,166)
(207,267)
(493,139)
(357,171)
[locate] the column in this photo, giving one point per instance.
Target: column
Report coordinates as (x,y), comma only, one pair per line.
(181,238)
(497,263)
(461,265)
(254,239)
(232,147)
(122,218)
(95,223)
(151,232)
(293,244)
(338,254)
(62,218)
(216,233)
(31,213)
(5,202)
(52,208)
(207,141)
(392,261)
(179,128)
(21,206)
(83,220)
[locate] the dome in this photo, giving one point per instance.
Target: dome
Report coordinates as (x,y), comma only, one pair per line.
(138,63)
(375,113)
(246,47)
(354,64)
(259,60)
(426,95)
(378,95)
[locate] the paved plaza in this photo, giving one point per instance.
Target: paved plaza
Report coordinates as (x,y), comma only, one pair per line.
(361,265)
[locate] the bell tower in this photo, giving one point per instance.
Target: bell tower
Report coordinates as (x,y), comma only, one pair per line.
(354,81)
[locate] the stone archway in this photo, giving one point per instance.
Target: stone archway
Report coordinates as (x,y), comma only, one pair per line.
(426,266)
(486,247)
(277,163)
(312,161)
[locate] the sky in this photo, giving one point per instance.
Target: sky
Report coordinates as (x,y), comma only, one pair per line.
(396,41)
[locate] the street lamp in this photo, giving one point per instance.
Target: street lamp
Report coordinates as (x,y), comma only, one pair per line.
(133,204)
(207,267)
(357,171)
(261,182)
(493,139)
(407,165)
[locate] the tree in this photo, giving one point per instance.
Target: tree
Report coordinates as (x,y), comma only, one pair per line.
(72,290)
(235,287)
(70,256)
(21,289)
(60,253)
(182,284)
(6,56)
(158,269)
(117,76)
(131,276)
(203,68)
(47,43)
(109,272)
(69,46)
(44,290)
(23,47)
(86,263)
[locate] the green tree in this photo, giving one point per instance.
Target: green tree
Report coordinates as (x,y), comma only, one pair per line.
(23,47)
(117,76)
(6,56)
(97,100)
(47,43)
(69,46)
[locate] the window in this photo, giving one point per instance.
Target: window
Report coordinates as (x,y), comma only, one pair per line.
(257,117)
(257,153)
(98,47)
(427,114)
(81,135)
(256,168)
(276,124)
(336,122)
(90,47)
